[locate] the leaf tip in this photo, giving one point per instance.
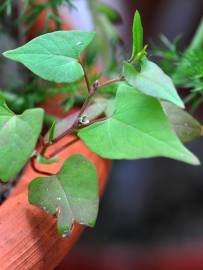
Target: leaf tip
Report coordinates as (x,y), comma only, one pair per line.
(179,103)
(8,54)
(191,159)
(92,223)
(137,14)
(195,161)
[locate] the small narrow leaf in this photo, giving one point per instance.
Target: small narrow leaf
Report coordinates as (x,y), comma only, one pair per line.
(51,132)
(72,194)
(138,128)
(152,81)
(54,56)
(18,137)
(137,35)
(186,127)
(43,160)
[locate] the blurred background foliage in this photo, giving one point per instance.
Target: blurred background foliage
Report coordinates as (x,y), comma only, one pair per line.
(17,21)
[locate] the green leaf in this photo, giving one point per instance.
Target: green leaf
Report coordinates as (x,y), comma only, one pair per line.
(109,89)
(4,109)
(54,56)
(137,35)
(152,81)
(51,132)
(186,127)
(96,109)
(110,107)
(18,137)
(107,107)
(72,194)
(138,128)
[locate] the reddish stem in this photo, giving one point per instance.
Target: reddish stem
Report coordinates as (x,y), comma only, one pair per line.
(91,92)
(32,163)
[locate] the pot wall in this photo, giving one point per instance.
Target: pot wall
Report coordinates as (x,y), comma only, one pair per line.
(28,236)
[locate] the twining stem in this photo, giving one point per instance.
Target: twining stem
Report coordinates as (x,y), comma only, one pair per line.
(33,165)
(86,77)
(119,79)
(76,124)
(91,92)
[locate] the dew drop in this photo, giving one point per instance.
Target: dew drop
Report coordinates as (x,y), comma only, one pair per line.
(78,43)
(84,120)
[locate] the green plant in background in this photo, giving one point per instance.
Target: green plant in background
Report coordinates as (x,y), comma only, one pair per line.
(111,51)
(108,48)
(185,67)
(34,9)
(137,114)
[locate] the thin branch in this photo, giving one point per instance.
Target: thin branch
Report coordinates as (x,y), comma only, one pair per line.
(119,79)
(75,124)
(89,97)
(86,77)
(91,92)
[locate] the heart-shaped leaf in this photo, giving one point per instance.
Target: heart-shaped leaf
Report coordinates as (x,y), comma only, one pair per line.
(18,137)
(72,194)
(54,56)
(138,128)
(186,127)
(152,81)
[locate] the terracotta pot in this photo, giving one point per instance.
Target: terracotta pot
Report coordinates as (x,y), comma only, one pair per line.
(41,21)
(28,236)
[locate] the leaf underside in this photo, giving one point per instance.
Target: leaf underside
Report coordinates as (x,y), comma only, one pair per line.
(72,194)
(186,127)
